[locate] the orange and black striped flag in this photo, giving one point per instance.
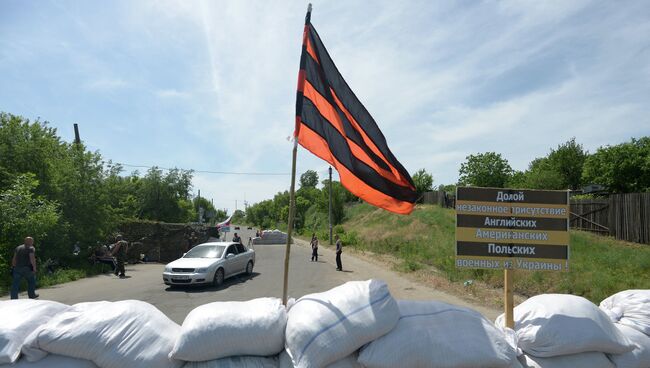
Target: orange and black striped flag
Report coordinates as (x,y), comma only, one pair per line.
(332,123)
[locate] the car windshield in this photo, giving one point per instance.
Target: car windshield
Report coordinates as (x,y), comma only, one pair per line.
(205,251)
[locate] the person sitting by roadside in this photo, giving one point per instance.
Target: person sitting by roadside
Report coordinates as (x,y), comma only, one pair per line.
(101,254)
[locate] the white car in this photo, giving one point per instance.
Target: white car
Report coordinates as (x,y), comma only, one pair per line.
(210,263)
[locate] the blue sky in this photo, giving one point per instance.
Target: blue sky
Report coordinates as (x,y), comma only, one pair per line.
(210,85)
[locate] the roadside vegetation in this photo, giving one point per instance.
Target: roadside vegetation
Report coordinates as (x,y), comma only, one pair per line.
(64,195)
(599,266)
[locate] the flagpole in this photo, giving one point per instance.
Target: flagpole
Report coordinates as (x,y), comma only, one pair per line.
(292,195)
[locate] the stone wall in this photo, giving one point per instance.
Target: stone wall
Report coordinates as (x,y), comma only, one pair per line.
(159,241)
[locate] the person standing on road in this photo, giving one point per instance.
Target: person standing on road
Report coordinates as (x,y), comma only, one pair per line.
(314,248)
(339,250)
(119,252)
(23,265)
(237,239)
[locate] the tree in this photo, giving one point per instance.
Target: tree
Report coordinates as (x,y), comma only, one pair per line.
(423,181)
(542,174)
(568,161)
(309,179)
(21,214)
(485,170)
(623,168)
(160,195)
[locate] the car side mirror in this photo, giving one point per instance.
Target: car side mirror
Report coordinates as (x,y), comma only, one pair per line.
(230,255)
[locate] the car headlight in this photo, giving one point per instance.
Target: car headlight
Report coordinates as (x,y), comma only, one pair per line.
(168,269)
(201,270)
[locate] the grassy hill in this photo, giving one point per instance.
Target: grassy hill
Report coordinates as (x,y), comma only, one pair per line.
(599,266)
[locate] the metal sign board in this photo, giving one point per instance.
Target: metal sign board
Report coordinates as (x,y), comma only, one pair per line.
(224,229)
(512,229)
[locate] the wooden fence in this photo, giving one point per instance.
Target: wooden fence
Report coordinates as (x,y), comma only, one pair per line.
(623,216)
(440,198)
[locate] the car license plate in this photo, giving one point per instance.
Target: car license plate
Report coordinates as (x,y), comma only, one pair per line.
(181,277)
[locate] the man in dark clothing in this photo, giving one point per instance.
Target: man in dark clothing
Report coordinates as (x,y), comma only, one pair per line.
(237,239)
(339,250)
(24,266)
(119,252)
(314,248)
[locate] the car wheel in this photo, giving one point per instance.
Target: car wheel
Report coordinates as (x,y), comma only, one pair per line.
(249,268)
(218,277)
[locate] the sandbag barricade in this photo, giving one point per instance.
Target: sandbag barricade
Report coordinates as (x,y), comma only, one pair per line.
(630,308)
(325,327)
(128,333)
(435,334)
(355,325)
(550,325)
(223,329)
(271,237)
(236,362)
(53,361)
(590,359)
(637,358)
(349,361)
(18,319)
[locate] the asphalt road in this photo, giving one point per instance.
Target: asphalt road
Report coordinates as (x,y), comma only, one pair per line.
(144,282)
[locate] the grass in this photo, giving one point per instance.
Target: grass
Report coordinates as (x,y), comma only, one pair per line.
(59,276)
(599,266)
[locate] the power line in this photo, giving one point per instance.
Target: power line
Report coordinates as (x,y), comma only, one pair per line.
(207,171)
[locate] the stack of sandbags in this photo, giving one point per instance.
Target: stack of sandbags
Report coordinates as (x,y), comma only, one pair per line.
(326,327)
(560,328)
(271,237)
(435,334)
(18,319)
(232,334)
(53,361)
(350,361)
(630,312)
(120,334)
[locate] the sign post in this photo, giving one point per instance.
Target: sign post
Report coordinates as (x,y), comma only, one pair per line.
(512,229)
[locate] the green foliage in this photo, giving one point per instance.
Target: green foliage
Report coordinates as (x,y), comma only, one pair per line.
(23,214)
(448,188)
(160,195)
(567,161)
(623,168)
(312,206)
(423,181)
(485,170)
(561,169)
(61,193)
(309,179)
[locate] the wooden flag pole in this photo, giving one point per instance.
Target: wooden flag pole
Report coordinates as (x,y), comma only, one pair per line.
(292,208)
(508,299)
(292,193)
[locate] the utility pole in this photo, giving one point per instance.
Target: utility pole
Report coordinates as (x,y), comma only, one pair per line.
(330,205)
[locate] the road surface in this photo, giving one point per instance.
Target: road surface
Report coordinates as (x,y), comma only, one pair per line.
(145,283)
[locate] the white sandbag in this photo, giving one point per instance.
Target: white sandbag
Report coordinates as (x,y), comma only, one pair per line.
(559,324)
(53,361)
(637,358)
(122,334)
(236,362)
(325,327)
(223,329)
(436,334)
(349,361)
(18,319)
(630,308)
(586,360)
